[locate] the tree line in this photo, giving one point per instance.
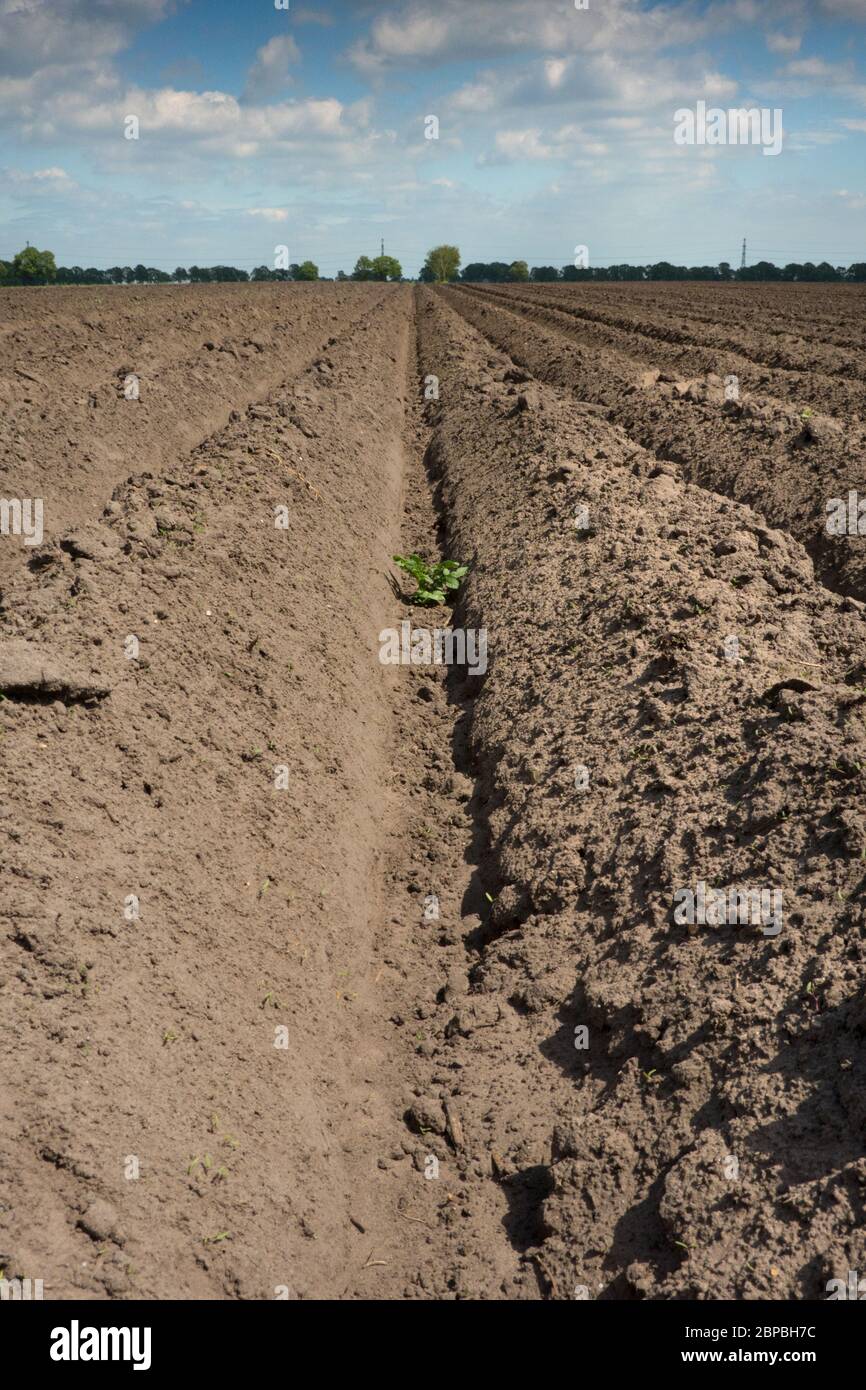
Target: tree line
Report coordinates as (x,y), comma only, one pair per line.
(442,265)
(34,267)
(497,272)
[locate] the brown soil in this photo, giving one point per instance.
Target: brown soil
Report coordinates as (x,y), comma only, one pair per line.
(297,946)
(790,443)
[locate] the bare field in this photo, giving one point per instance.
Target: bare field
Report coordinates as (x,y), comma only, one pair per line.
(330,978)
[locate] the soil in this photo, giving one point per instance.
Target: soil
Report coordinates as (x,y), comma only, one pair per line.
(330,978)
(789,442)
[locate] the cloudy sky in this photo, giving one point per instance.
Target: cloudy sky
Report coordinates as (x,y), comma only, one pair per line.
(305,126)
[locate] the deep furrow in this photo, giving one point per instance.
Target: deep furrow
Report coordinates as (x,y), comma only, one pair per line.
(754,449)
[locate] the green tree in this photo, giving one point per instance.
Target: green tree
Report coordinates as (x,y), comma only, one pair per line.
(442,263)
(363,269)
(307,271)
(518,270)
(386,268)
(34,267)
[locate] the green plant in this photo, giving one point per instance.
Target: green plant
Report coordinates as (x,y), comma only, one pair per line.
(433,580)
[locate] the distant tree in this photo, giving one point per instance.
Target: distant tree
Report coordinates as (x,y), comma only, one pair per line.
(5,272)
(663,270)
(443,262)
(386,268)
(762,270)
(497,272)
(615,272)
(223,273)
(32,267)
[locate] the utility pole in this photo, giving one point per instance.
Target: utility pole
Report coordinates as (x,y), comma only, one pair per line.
(382,244)
(743,257)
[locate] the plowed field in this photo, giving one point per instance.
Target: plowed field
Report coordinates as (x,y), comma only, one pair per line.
(533,972)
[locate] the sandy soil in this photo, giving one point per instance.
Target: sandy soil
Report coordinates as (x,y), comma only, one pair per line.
(336,979)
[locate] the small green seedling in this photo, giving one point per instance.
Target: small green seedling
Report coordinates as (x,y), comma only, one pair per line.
(434,581)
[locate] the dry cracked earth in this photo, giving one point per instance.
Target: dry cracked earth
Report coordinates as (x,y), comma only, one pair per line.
(323,977)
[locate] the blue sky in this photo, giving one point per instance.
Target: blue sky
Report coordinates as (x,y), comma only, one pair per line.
(304,126)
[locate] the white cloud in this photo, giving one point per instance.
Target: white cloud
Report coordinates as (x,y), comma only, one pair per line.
(784,43)
(36,34)
(33,188)
(269,73)
(555,69)
(269,214)
(819,68)
(522,144)
(193,123)
(457,30)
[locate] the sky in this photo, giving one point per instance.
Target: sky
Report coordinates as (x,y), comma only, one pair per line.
(307,126)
